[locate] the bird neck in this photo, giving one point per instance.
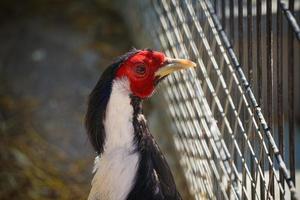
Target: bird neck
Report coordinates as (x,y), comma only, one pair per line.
(120,111)
(119,159)
(98,101)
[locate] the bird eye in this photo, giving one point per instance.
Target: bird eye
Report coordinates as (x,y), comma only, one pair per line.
(140,69)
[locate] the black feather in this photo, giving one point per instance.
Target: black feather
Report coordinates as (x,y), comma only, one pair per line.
(154,180)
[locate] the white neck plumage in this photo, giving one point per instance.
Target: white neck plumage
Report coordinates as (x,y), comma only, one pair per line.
(118,121)
(116,168)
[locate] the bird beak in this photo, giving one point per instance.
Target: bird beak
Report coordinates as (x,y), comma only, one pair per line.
(172,65)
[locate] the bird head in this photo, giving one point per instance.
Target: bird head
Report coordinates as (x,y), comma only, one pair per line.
(142,70)
(145,68)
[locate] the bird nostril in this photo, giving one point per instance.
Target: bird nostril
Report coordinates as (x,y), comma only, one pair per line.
(166,62)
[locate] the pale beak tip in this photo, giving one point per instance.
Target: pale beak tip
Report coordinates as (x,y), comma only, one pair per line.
(174,64)
(184,63)
(193,64)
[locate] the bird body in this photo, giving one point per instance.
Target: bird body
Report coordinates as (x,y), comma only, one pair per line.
(129,165)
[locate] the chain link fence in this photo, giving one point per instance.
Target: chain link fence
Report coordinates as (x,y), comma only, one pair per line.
(228,113)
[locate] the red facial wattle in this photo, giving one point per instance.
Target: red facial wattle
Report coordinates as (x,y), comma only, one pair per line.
(145,68)
(140,70)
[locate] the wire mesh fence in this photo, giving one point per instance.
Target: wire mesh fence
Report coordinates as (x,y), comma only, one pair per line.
(229,112)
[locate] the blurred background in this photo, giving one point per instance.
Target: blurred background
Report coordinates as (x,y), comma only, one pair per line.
(52,53)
